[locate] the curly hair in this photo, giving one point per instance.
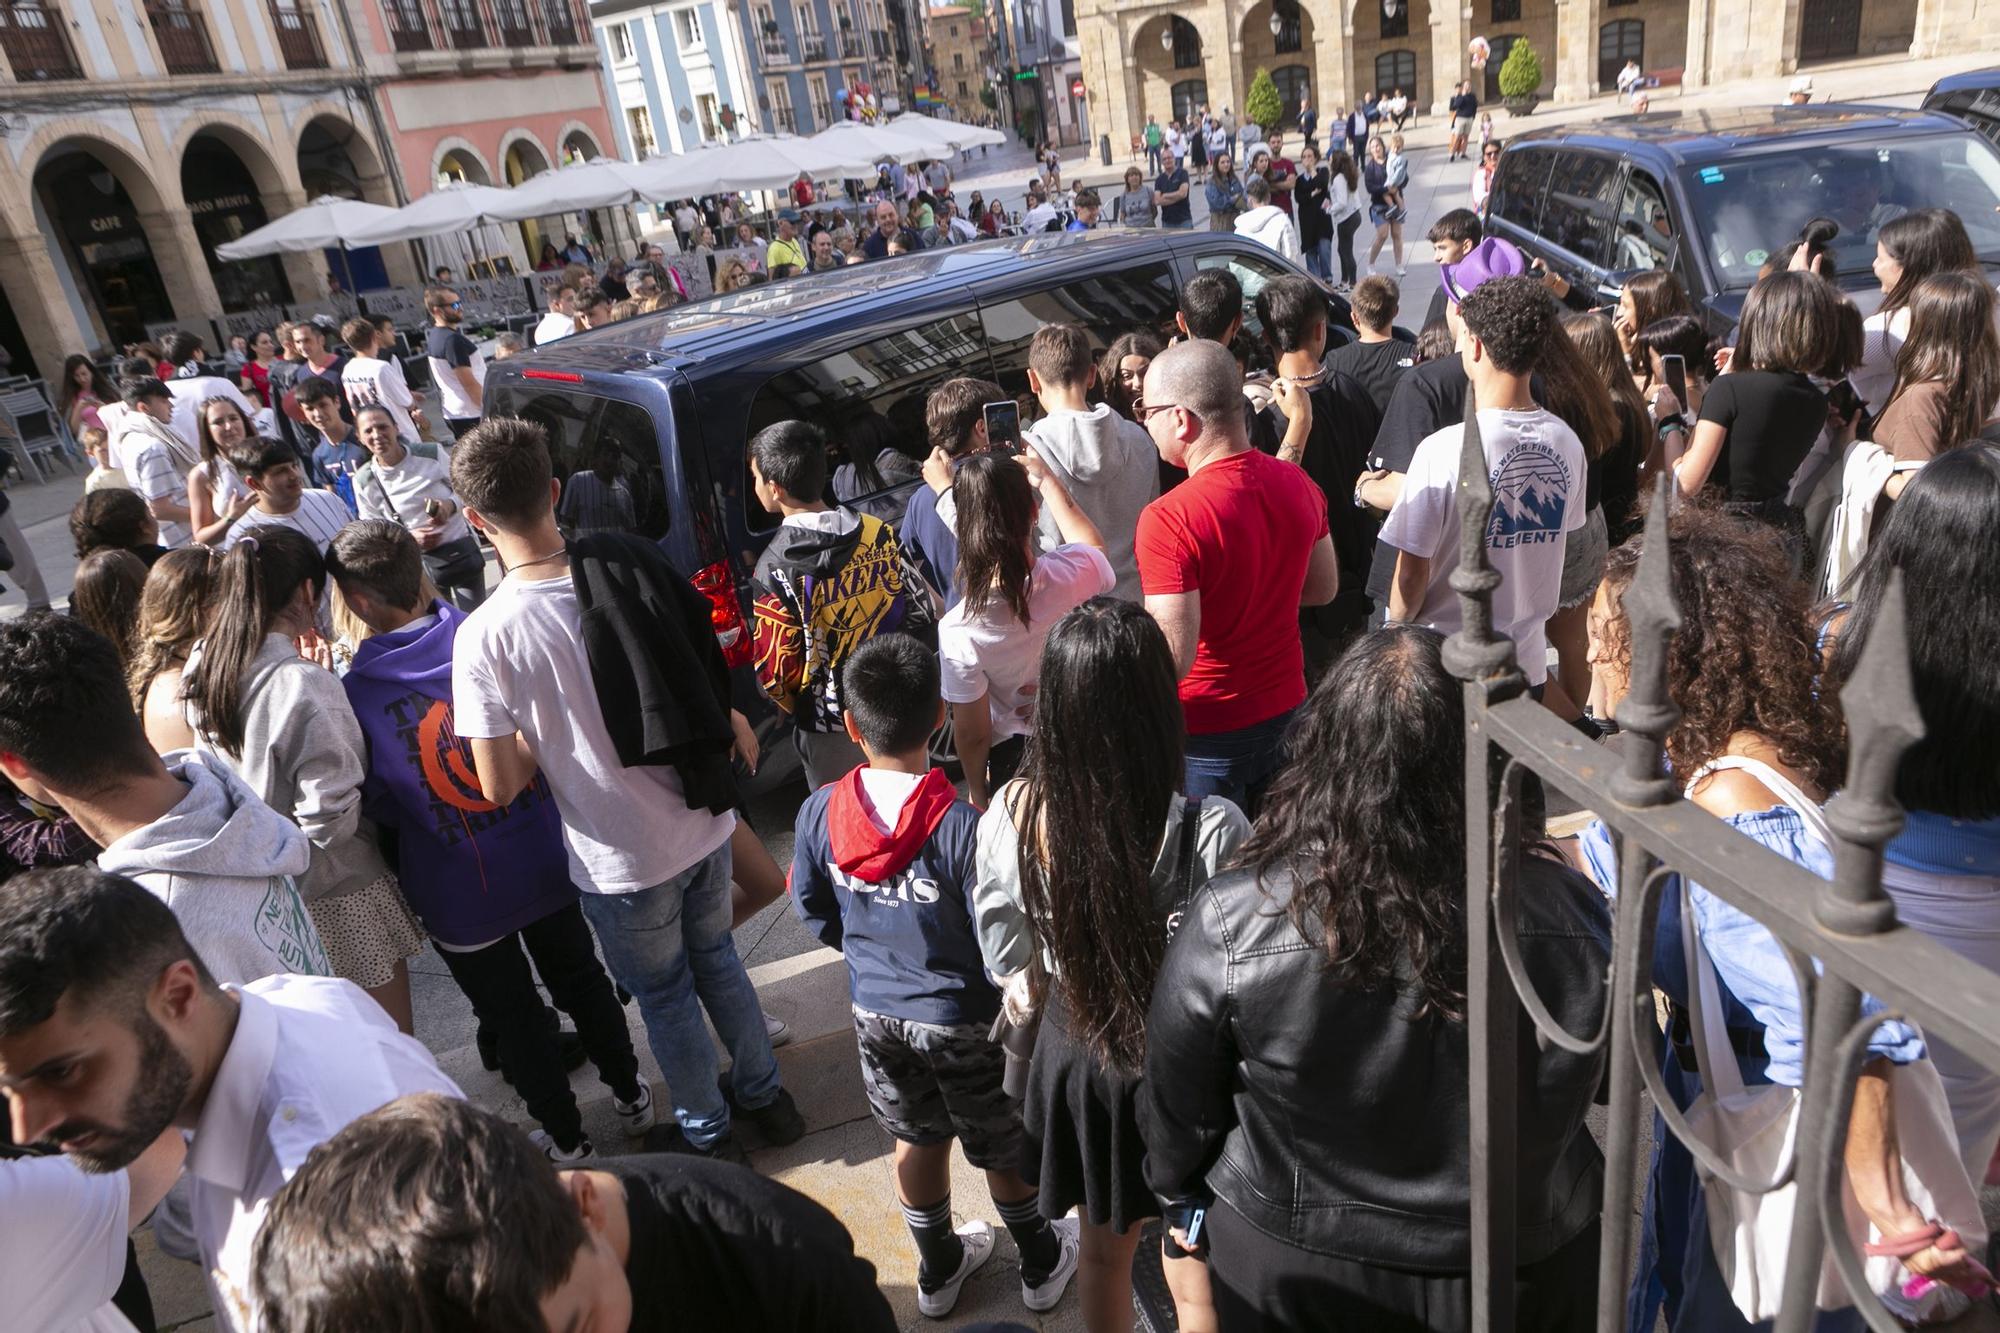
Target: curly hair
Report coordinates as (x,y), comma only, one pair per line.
(1513,319)
(1368,818)
(1745,657)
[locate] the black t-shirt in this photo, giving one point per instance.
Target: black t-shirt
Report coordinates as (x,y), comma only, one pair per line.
(330,372)
(1343,426)
(1773,417)
(1378,366)
(1427,399)
(1167,183)
(1616,475)
(720,1248)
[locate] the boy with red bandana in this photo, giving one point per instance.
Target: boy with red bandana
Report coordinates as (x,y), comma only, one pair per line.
(881,869)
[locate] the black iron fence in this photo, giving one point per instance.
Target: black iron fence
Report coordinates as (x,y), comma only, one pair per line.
(1847,925)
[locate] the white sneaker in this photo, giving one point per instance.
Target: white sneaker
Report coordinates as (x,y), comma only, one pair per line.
(1402,272)
(560,1155)
(978,1239)
(775,1029)
(1044,1297)
(636,1116)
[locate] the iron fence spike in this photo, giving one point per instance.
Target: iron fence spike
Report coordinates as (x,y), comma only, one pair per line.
(1648,712)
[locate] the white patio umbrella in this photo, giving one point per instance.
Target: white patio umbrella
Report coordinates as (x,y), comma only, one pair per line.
(879,142)
(951,134)
(327,223)
(458,207)
(756,162)
(605,182)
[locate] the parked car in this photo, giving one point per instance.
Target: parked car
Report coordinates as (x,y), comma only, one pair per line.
(1974,97)
(648,418)
(1710,194)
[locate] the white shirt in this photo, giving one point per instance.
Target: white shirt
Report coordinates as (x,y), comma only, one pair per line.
(309,1055)
(554,325)
(1875,378)
(994,655)
(62,1246)
(190,394)
(398,493)
(519,664)
(1537,475)
(372,382)
(686,219)
(152,475)
(320,515)
(221,480)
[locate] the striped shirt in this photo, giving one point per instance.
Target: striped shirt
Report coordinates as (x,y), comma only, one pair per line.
(319,516)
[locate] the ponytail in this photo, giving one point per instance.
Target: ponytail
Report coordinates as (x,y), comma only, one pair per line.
(254,581)
(996,517)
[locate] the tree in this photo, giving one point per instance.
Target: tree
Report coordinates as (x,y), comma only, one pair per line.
(1521,72)
(1263,105)
(987,99)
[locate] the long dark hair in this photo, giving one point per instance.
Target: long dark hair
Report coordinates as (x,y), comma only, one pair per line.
(1574,391)
(209,451)
(1925,241)
(1596,342)
(1139,342)
(867,435)
(996,519)
(100,384)
(1655,295)
(1952,341)
(1340,162)
(257,578)
(1944,534)
(1098,783)
(105,596)
(1368,819)
(1745,658)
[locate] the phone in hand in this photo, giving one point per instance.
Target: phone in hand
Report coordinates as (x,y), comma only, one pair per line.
(1673,369)
(1003,426)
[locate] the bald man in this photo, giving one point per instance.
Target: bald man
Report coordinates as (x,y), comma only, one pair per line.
(1226,559)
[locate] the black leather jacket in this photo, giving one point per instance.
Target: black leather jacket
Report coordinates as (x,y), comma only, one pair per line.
(1333,1121)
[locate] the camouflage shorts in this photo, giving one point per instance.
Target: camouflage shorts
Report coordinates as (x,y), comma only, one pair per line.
(931,1084)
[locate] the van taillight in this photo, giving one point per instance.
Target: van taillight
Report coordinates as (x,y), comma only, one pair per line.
(563,376)
(725,612)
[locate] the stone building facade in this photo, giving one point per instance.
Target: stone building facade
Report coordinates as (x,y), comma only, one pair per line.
(137,135)
(1162,58)
(961,51)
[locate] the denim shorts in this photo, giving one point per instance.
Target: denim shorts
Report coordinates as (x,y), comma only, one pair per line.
(932,1083)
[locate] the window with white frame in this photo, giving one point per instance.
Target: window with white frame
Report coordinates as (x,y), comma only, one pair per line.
(822,108)
(709,113)
(782,115)
(687,29)
(621,42)
(802,19)
(641,122)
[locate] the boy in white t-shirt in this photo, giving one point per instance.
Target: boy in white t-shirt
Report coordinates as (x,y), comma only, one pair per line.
(370,381)
(654,871)
(1536,466)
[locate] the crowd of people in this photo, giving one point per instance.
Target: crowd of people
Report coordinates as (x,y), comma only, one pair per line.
(1206,862)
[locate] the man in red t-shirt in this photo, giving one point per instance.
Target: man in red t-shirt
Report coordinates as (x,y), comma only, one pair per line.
(1226,559)
(1284,175)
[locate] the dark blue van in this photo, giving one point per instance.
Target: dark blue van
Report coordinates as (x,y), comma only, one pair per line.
(1710,194)
(647,419)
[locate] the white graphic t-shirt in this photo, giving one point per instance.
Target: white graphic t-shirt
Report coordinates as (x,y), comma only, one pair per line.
(1537,471)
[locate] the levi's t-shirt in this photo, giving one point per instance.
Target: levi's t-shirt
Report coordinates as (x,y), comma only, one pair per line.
(995,656)
(1240,532)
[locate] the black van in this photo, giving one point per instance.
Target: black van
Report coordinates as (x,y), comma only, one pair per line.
(1974,97)
(647,419)
(1709,194)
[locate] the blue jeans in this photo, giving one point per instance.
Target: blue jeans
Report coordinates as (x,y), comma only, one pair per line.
(1319,259)
(1238,764)
(1153,158)
(666,945)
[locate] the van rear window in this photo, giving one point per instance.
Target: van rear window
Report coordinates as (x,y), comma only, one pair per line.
(606,455)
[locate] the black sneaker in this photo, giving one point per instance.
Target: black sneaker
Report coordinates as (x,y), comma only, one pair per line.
(668,1138)
(779,1123)
(567,1042)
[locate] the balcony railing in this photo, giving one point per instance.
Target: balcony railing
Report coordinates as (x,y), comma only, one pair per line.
(37,44)
(183,37)
(409,28)
(851,46)
(464,29)
(878,42)
(812,46)
(823,113)
(298,36)
(559,23)
(512,20)
(776,48)
(784,118)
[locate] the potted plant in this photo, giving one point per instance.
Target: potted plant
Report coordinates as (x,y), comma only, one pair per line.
(1520,79)
(1262,106)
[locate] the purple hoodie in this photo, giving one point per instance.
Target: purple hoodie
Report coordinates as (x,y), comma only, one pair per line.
(473,871)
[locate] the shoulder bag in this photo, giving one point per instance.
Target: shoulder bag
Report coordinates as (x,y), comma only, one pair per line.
(1755,1130)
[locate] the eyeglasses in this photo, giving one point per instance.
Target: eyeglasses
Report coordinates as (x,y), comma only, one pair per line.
(1143,411)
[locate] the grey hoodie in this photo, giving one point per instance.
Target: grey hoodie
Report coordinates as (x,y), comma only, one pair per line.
(304,755)
(225,863)
(1111,470)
